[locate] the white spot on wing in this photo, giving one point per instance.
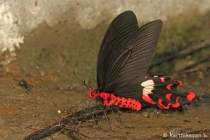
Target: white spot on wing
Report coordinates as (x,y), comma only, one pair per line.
(148,87)
(147,83)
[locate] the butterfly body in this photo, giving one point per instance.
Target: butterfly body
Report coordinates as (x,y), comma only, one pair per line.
(110,99)
(123,60)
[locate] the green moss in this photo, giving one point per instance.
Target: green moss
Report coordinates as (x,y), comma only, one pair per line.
(179,33)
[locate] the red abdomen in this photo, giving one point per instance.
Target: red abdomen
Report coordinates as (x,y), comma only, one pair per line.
(110,99)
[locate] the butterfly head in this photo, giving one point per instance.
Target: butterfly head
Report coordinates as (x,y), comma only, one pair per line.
(93,93)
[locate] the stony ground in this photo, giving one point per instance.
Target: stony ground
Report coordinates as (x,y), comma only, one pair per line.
(46,61)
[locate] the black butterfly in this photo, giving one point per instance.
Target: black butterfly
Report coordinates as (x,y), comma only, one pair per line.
(123,60)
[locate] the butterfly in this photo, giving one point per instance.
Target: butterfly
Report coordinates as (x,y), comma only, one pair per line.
(123,61)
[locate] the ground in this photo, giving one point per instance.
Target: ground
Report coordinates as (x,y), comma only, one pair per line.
(46,61)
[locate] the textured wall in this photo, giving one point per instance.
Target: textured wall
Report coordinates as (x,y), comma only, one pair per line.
(17,17)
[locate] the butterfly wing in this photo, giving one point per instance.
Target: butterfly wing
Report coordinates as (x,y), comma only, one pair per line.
(121,28)
(124,58)
(162,90)
(130,62)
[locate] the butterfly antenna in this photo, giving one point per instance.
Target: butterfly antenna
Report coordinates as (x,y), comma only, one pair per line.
(84,82)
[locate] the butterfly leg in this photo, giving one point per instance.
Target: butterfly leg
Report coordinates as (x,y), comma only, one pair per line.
(108,120)
(119,119)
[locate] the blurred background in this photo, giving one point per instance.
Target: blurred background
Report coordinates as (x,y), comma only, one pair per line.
(43,41)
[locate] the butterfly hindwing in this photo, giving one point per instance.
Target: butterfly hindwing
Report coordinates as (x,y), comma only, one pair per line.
(162,91)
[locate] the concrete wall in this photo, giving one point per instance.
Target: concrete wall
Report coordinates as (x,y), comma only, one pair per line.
(18,17)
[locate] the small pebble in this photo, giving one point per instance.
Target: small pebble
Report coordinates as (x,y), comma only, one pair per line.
(59,111)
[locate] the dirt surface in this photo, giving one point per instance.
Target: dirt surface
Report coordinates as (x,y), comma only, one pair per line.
(25,112)
(46,61)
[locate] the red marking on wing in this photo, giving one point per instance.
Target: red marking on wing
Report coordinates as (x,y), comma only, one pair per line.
(177,104)
(168,96)
(161,104)
(180,82)
(148,99)
(190,96)
(162,80)
(169,86)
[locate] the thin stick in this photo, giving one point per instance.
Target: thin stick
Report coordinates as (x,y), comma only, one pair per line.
(73,119)
(194,64)
(184,52)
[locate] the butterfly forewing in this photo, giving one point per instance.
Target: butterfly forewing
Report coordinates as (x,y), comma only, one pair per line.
(121,28)
(131,62)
